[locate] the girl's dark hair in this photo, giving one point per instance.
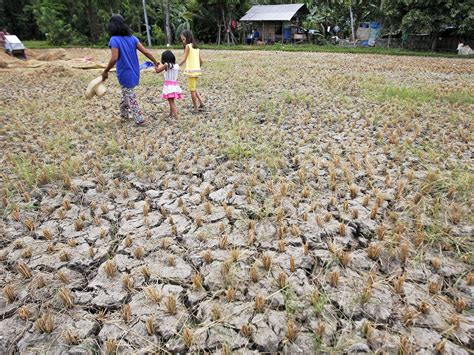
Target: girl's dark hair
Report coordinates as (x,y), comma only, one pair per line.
(118,27)
(167,57)
(188,35)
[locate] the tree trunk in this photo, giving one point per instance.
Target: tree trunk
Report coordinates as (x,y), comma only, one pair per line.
(169,40)
(434,42)
(352,23)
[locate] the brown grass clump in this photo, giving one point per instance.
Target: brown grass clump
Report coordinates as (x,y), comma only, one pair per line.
(234,254)
(292,331)
(470,278)
(188,337)
(423,307)
(403,252)
(230,294)
(460,304)
(78,224)
(47,235)
(24,270)
(342,229)
(436,263)
(344,258)
(71,338)
(40,283)
(146,208)
(145,271)
(259,303)
(61,275)
(440,346)
(250,237)
(367,329)
(150,326)
(111,346)
(455,321)
(171,261)
(253,273)
(110,268)
(216,313)
(281,246)
(126,312)
(29,224)
(65,296)
(152,294)
(23,312)
(127,241)
(197,281)
(127,282)
(9,293)
(306,248)
(373,212)
(433,287)
(139,252)
(334,278)
(207,256)
(246,330)
(45,323)
(373,251)
(170,304)
(266,261)
(398,283)
(282,280)
(409,315)
(224,242)
(64,256)
(404,345)
(292,264)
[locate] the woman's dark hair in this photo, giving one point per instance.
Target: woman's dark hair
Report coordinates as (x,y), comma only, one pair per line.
(188,35)
(118,27)
(167,57)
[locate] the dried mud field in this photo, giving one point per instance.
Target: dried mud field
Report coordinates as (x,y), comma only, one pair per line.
(319,203)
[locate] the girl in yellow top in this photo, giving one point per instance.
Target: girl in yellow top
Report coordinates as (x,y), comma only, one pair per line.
(192,58)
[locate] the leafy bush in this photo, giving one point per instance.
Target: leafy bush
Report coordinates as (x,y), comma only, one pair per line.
(158,35)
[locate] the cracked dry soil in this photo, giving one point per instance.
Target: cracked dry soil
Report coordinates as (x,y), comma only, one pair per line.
(320,203)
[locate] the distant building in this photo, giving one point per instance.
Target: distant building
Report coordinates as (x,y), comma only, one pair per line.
(276,23)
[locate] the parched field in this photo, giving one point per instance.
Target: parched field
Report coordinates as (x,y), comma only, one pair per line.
(320,203)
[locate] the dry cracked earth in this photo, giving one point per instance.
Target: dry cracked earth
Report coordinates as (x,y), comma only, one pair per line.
(319,203)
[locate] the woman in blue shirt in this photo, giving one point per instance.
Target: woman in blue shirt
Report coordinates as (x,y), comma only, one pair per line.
(124,53)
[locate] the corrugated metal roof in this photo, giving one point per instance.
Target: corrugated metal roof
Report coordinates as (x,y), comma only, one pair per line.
(272,12)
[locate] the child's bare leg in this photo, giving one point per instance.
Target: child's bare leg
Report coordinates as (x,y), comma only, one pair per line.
(199,99)
(173,108)
(194,98)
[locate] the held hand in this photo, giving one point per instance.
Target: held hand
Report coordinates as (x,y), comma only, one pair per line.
(105,75)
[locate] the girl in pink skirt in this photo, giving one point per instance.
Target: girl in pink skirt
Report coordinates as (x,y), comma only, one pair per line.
(171,89)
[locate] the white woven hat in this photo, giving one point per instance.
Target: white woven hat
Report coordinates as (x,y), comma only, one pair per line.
(96,87)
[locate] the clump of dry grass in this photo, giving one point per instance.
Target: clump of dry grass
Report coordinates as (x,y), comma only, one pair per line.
(398,283)
(224,242)
(139,252)
(292,331)
(145,271)
(282,280)
(126,312)
(127,283)
(24,270)
(373,251)
(170,305)
(110,268)
(70,337)
(230,294)
(9,293)
(266,261)
(65,296)
(197,281)
(253,273)
(61,275)
(23,312)
(259,303)
(150,326)
(45,323)
(216,312)
(234,254)
(111,346)
(246,330)
(188,337)
(334,278)
(152,294)
(344,258)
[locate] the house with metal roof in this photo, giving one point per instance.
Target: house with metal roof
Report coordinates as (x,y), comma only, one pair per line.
(276,23)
